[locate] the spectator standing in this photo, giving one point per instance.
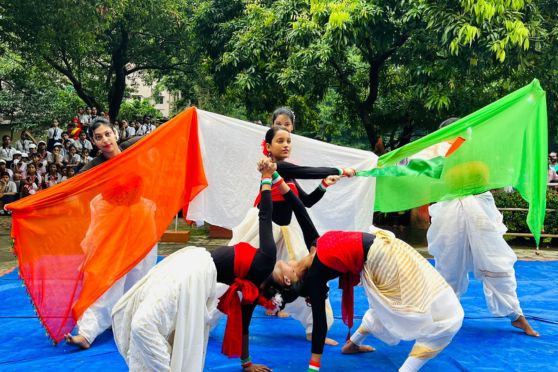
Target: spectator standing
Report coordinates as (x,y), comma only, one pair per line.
(54,134)
(138,128)
(86,118)
(7,151)
(147,126)
(126,131)
(82,116)
(83,142)
(25,140)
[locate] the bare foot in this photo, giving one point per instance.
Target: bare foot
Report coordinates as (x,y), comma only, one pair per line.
(352,348)
(77,340)
(523,324)
(328,341)
(279,314)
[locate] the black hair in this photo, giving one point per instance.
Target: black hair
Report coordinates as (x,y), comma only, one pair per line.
(5,174)
(97,123)
(447,122)
(271,132)
(283,111)
(270,288)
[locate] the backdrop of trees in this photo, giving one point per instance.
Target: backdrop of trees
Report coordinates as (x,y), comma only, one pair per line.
(352,70)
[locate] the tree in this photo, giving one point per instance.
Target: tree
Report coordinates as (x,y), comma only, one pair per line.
(96,45)
(137,109)
(353,46)
(31,98)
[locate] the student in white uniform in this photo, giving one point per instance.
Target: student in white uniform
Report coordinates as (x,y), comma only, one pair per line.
(466,235)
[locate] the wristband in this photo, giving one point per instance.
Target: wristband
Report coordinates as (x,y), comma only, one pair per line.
(275,175)
(340,170)
(247,362)
(266,181)
(313,366)
(323,186)
(278,182)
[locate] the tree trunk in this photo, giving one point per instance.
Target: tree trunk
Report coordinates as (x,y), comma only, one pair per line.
(119,61)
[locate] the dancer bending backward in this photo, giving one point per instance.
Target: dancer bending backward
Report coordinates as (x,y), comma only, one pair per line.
(466,235)
(161,324)
(408,299)
(96,319)
(288,234)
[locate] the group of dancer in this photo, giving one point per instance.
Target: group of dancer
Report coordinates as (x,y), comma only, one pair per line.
(161,316)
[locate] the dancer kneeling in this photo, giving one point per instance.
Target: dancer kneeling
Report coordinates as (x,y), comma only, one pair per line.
(161,324)
(408,299)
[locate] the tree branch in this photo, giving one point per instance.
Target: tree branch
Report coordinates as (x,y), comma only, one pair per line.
(156,67)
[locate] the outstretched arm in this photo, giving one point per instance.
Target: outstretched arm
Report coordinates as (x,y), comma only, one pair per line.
(245,359)
(291,171)
(308,229)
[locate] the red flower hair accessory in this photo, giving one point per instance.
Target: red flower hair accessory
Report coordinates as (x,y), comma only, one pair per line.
(264,148)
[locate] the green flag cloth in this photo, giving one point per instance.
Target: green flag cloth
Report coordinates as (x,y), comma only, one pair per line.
(415,167)
(502,144)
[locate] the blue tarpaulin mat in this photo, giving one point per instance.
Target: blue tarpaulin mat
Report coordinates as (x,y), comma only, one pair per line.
(484,343)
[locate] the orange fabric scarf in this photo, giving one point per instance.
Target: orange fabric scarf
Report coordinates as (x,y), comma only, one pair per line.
(229,302)
(76,239)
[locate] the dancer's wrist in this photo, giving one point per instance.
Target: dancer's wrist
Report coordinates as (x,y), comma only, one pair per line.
(246,362)
(313,366)
(323,185)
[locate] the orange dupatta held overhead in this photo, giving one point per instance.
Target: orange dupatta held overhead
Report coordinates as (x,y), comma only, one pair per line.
(76,239)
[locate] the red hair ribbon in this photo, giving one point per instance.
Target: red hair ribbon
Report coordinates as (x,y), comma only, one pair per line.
(264,148)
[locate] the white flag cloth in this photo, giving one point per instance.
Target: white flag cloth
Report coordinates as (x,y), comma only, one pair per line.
(230,149)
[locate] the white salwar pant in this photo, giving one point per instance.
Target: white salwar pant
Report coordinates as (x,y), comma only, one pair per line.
(467,235)
(408,300)
(290,246)
(161,324)
(96,319)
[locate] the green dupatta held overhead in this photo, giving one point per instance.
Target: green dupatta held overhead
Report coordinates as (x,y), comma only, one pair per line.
(502,144)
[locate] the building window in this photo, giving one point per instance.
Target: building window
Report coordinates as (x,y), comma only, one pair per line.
(136,97)
(160,100)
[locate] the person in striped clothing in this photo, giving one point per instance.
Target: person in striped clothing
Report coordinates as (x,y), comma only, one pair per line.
(409,299)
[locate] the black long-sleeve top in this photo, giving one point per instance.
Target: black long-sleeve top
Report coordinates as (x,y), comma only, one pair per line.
(315,281)
(264,259)
(282,211)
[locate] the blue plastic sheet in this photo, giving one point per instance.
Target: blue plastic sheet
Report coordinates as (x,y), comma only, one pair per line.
(484,343)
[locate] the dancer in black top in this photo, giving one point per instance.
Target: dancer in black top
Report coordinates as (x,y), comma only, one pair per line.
(287,233)
(405,291)
(160,306)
